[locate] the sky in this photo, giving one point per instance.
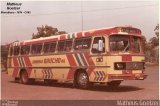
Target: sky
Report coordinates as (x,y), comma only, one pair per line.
(73,16)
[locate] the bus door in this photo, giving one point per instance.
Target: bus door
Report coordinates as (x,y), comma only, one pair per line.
(98,50)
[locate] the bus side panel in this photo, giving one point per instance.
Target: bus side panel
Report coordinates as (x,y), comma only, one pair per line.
(10,71)
(13,67)
(103,67)
(99,74)
(52,67)
(51,73)
(49,61)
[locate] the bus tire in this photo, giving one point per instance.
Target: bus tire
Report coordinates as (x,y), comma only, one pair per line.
(113,84)
(24,79)
(82,80)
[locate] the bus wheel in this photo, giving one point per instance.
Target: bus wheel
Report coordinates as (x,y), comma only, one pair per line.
(113,84)
(24,77)
(82,80)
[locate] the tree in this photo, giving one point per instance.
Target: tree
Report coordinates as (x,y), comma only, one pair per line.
(154,41)
(144,42)
(157,30)
(152,47)
(4,54)
(46,31)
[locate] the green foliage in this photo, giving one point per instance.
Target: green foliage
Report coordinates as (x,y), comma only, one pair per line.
(46,31)
(157,30)
(152,47)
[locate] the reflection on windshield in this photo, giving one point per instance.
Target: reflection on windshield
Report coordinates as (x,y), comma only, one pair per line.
(124,43)
(119,43)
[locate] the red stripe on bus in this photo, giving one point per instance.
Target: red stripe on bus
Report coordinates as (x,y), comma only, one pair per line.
(89,59)
(126,58)
(90,70)
(15,62)
(79,34)
(62,37)
(27,61)
(87,34)
(71,73)
(71,60)
(15,72)
(16,65)
(28,64)
(105,31)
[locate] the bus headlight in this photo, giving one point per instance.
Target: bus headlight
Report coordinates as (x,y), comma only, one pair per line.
(119,66)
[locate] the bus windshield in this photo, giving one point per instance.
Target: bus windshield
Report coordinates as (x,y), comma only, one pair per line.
(124,43)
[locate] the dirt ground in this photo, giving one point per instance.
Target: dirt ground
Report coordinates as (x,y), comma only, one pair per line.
(129,90)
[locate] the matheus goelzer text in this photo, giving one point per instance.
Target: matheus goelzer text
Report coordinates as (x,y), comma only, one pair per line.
(137,103)
(14,8)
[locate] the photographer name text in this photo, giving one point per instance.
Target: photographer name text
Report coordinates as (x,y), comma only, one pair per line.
(14,8)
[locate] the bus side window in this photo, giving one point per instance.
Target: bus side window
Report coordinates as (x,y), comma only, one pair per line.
(68,45)
(16,50)
(46,47)
(36,48)
(49,47)
(86,43)
(78,44)
(95,45)
(25,50)
(61,45)
(11,51)
(52,47)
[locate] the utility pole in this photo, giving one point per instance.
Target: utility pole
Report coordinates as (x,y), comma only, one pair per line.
(82,15)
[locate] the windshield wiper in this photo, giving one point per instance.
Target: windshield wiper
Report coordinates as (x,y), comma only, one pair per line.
(127,46)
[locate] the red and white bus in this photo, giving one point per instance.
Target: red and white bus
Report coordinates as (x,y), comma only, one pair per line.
(106,56)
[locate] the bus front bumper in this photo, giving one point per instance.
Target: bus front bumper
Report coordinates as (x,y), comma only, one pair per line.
(127,76)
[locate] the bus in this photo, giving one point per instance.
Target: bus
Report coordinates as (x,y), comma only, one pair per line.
(105,56)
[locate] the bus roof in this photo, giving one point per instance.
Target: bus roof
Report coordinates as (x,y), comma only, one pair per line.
(105,31)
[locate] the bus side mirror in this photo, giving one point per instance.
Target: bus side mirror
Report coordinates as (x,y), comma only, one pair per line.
(100,45)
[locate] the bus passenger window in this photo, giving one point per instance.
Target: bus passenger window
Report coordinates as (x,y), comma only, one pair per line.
(68,45)
(86,43)
(82,44)
(11,51)
(52,47)
(61,46)
(95,45)
(16,50)
(46,47)
(49,47)
(78,44)
(25,50)
(36,49)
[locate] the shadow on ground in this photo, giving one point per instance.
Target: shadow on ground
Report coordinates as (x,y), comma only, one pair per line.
(97,87)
